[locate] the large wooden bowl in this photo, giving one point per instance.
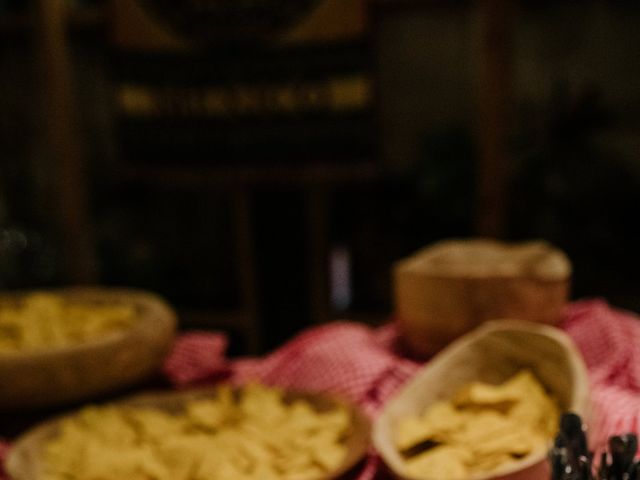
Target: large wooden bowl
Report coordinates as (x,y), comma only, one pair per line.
(56,376)
(449,288)
(25,461)
(492,353)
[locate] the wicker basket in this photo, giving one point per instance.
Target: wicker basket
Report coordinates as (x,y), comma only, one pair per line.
(56,376)
(447,289)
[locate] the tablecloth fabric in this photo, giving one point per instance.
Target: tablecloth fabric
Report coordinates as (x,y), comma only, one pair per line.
(366,365)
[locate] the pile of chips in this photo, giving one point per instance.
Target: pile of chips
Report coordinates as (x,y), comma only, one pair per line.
(481,429)
(255,435)
(44,320)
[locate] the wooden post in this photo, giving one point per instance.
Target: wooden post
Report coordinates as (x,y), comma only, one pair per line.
(246,269)
(495,85)
(62,141)
(318,234)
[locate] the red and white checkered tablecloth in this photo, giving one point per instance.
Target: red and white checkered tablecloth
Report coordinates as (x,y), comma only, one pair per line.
(364,365)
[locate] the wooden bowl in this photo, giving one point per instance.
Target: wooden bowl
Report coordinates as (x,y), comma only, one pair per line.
(55,376)
(449,288)
(492,353)
(25,461)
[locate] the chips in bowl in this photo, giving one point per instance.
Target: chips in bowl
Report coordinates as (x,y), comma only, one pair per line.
(475,397)
(42,320)
(252,433)
(60,346)
(481,428)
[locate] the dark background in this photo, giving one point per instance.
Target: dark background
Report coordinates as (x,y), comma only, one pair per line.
(510,119)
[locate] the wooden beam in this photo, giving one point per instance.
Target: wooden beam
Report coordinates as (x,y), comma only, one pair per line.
(135,29)
(63,144)
(495,86)
(246,269)
(318,244)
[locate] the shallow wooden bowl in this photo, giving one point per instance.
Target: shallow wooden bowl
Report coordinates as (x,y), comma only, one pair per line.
(25,460)
(492,353)
(56,376)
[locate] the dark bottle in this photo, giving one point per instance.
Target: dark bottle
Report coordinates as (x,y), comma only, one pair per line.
(623,449)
